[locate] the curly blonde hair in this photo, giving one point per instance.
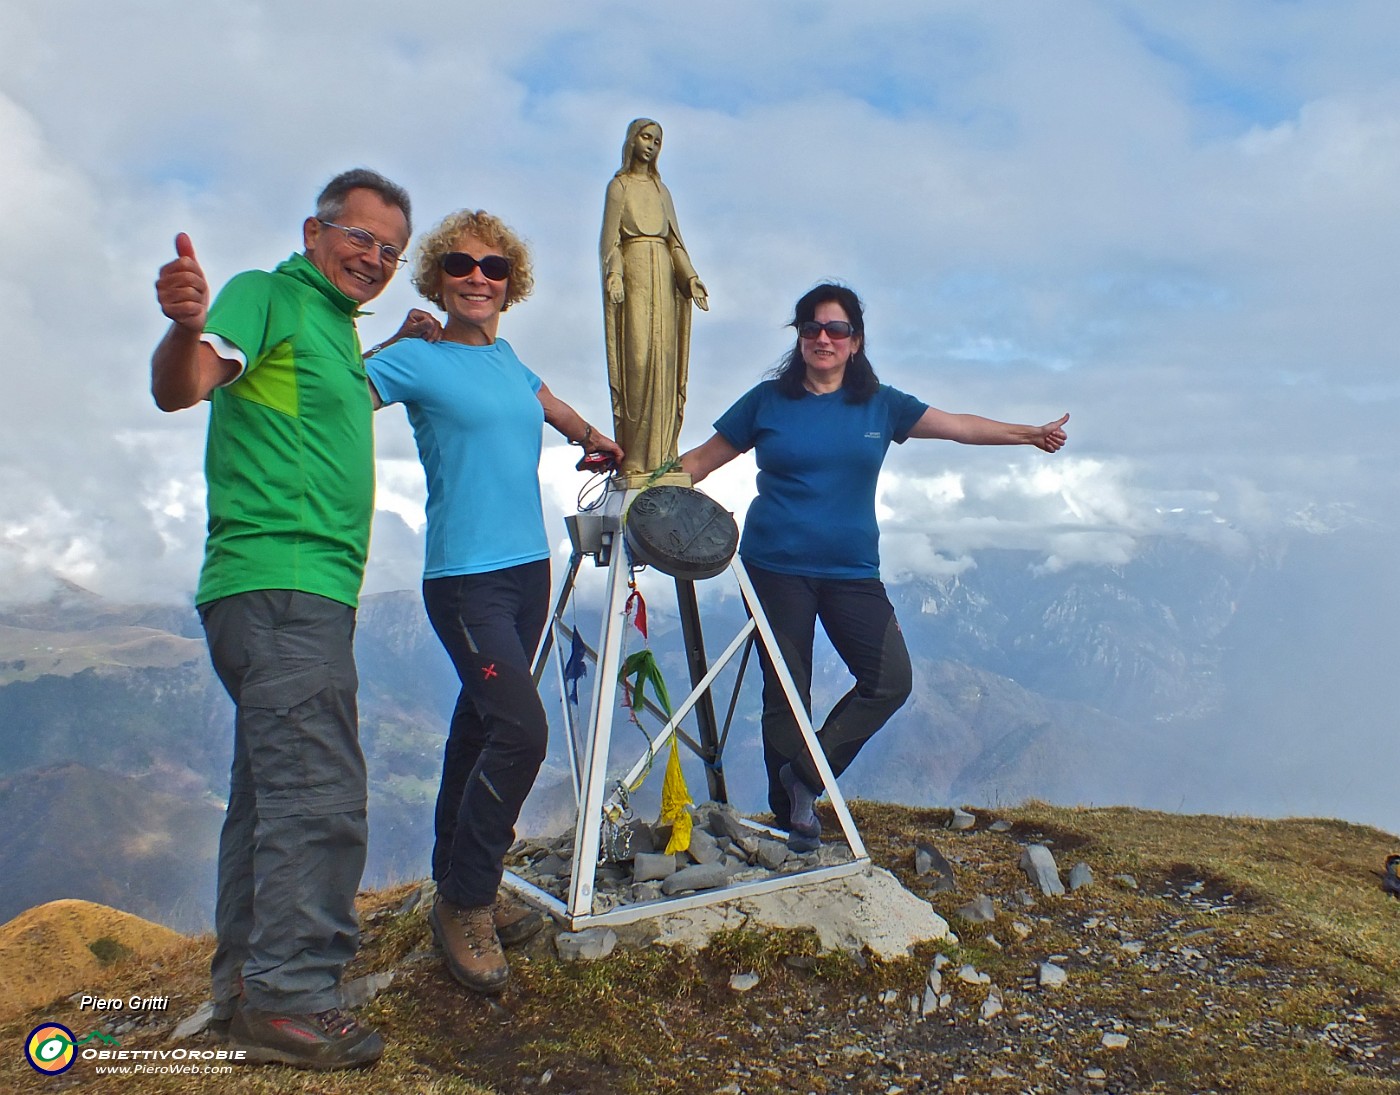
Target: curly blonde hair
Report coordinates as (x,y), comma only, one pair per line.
(491,230)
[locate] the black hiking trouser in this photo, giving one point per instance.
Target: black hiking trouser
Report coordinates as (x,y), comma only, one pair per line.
(490,625)
(858,618)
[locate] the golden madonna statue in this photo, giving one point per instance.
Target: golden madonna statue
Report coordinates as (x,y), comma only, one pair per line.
(648,286)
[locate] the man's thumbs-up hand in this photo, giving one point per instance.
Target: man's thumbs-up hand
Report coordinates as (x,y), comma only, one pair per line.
(181,289)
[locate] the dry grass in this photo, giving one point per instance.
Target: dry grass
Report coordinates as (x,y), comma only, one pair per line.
(1303,940)
(57,948)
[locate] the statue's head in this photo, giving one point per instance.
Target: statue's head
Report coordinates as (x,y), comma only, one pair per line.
(643,143)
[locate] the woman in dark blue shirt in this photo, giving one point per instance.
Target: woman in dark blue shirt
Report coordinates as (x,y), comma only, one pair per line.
(820,430)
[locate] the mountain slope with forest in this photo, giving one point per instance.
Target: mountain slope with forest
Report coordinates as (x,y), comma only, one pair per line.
(1169,682)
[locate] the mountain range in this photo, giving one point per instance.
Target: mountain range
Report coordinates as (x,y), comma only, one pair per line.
(1166,683)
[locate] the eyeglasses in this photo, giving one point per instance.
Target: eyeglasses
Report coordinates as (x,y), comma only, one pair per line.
(458,264)
(361,240)
(836,330)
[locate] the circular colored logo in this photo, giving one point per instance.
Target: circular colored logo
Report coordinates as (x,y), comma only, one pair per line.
(49,1048)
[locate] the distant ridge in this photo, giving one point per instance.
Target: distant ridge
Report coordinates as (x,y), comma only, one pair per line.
(69,831)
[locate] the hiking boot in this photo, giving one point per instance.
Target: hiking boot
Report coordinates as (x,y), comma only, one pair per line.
(515,921)
(326,1040)
(804,827)
(467,936)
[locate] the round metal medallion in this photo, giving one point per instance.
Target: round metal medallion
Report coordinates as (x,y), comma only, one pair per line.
(680,532)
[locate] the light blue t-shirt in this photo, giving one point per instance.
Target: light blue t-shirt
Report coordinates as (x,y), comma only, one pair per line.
(819,460)
(478,424)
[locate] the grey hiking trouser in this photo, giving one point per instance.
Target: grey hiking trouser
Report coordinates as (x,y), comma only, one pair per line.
(293,844)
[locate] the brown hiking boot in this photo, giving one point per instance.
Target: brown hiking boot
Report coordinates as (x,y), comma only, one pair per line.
(468,937)
(326,1040)
(515,921)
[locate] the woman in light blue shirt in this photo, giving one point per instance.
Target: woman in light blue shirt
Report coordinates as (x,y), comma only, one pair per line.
(477,414)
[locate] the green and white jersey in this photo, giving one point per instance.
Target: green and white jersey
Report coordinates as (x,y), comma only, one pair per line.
(290,455)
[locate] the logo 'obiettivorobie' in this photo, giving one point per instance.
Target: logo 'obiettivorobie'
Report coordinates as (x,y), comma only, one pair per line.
(50,1047)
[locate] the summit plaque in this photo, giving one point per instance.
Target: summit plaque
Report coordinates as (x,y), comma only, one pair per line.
(680,532)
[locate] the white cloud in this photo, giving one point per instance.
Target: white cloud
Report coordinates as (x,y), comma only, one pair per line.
(1178,223)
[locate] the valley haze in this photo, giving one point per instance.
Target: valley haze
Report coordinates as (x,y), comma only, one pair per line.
(1162,684)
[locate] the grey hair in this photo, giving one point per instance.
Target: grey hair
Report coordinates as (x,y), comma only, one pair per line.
(331,202)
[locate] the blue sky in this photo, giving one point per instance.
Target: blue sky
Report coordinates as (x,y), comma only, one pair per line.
(1177,222)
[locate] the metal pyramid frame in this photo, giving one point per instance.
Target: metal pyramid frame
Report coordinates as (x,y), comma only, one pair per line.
(598,534)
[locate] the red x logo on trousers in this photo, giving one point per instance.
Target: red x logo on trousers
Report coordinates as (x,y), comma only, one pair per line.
(488,672)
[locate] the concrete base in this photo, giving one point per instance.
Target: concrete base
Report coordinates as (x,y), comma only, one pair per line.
(869,909)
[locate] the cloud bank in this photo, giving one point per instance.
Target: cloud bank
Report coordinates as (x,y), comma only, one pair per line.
(1177,224)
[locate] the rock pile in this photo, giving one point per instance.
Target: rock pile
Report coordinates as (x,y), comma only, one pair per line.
(725,850)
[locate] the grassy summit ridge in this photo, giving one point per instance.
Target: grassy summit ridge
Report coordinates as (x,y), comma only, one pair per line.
(1252,956)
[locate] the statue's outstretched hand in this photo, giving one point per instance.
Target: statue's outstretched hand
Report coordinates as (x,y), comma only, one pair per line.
(698,294)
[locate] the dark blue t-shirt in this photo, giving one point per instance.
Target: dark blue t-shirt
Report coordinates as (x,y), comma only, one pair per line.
(819,459)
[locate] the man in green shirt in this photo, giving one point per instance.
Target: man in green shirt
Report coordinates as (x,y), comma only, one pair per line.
(290,469)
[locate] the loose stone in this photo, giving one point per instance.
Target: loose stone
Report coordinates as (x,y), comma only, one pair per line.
(653,866)
(703,847)
(360,991)
(553,865)
(962,820)
(646,891)
(723,821)
(969,975)
(1039,865)
(1049,975)
(980,910)
(929,860)
(195,1023)
(640,833)
(702,876)
(585,946)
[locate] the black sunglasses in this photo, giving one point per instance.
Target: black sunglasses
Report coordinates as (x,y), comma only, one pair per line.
(458,264)
(836,330)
